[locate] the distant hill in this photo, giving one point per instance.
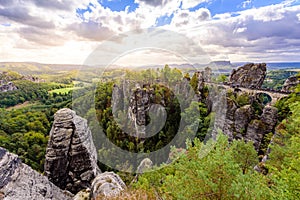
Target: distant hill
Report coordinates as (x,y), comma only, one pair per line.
(276,65)
(33,68)
(214,65)
(27,68)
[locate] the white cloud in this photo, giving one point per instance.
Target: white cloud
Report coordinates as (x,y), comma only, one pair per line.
(269,33)
(246,3)
(186,19)
(52,32)
(186,4)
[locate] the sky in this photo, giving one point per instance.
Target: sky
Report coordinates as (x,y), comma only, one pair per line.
(147,32)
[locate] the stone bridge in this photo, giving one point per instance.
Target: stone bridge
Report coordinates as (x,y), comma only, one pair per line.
(274,95)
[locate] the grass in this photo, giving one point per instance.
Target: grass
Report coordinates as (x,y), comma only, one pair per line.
(26,104)
(63,90)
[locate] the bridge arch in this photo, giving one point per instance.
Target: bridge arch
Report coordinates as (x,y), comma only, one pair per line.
(265,97)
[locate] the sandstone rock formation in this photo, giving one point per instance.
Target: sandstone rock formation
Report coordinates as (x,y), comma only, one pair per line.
(228,128)
(107,184)
(249,76)
(242,118)
(257,129)
(243,123)
(71,158)
(269,118)
(19,182)
(83,195)
(290,83)
(139,108)
(145,165)
(7,87)
(207,73)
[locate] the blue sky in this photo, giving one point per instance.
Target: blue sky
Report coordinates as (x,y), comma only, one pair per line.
(216,6)
(67,31)
(118,5)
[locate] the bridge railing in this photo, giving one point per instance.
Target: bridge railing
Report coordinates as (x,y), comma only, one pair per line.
(257,89)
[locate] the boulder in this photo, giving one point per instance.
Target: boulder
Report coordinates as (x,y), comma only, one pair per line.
(71,157)
(290,83)
(83,195)
(107,184)
(145,165)
(249,76)
(19,181)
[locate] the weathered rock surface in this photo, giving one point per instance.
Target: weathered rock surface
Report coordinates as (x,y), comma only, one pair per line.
(242,118)
(242,123)
(83,195)
(107,184)
(19,182)
(290,83)
(7,87)
(257,129)
(255,133)
(71,157)
(269,118)
(228,128)
(249,76)
(138,109)
(145,165)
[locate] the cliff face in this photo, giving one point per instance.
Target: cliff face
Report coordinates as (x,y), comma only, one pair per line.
(249,76)
(19,181)
(71,157)
(243,123)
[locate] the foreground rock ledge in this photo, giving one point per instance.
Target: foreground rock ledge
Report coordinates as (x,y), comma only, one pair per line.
(71,157)
(18,181)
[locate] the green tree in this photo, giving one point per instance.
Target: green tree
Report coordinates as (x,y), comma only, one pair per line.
(194,82)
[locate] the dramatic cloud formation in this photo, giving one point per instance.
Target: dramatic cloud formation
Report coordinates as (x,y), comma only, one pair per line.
(66,31)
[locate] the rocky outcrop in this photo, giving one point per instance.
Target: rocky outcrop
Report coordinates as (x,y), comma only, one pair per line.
(242,118)
(19,182)
(255,133)
(257,129)
(7,87)
(83,195)
(138,109)
(249,76)
(269,118)
(71,158)
(243,123)
(207,73)
(107,184)
(290,83)
(145,165)
(228,128)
